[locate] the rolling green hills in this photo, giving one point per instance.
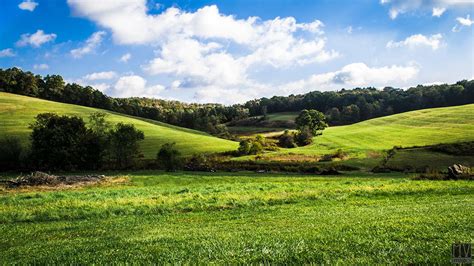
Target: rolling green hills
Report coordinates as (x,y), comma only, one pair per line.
(416,128)
(17,112)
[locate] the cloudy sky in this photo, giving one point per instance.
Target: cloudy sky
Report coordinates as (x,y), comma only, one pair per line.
(232,51)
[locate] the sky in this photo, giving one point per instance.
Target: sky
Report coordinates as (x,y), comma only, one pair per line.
(233,51)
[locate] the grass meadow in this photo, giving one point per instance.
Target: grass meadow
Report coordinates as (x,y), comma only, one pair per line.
(156,217)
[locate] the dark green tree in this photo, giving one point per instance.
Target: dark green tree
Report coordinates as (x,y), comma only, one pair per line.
(124,144)
(63,142)
(311,120)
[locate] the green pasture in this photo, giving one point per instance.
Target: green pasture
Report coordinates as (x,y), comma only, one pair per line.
(202,218)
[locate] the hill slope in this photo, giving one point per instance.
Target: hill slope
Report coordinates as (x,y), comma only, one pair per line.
(416,128)
(17,112)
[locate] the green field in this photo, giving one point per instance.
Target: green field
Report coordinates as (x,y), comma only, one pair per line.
(416,128)
(238,218)
(17,112)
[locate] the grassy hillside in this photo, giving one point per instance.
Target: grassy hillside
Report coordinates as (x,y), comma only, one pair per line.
(416,128)
(17,112)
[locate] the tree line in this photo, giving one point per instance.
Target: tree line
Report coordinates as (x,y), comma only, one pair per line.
(350,106)
(339,107)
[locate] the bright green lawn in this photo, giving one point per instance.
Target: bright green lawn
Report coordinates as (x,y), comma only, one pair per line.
(416,128)
(239,218)
(17,112)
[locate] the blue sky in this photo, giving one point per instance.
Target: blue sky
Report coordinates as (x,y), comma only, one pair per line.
(232,51)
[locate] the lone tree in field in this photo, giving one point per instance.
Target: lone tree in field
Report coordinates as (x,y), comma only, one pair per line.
(310,123)
(124,146)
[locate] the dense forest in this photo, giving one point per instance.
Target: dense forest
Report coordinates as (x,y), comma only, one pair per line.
(340,107)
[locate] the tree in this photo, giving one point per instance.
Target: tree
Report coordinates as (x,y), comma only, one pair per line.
(169,157)
(63,142)
(312,120)
(287,140)
(124,144)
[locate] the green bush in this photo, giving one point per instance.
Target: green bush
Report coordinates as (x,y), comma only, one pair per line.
(287,140)
(304,137)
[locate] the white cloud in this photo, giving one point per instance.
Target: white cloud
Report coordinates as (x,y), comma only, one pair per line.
(7,53)
(465,21)
(124,58)
(28,5)
(418,40)
(436,7)
(91,44)
(193,47)
(135,86)
(438,11)
(273,42)
(101,75)
(36,39)
(356,74)
(41,67)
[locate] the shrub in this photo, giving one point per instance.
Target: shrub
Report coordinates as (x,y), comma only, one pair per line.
(304,137)
(168,157)
(287,140)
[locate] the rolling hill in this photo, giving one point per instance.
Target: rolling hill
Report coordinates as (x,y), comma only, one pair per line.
(416,128)
(17,112)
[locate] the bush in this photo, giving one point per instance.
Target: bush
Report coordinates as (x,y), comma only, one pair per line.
(168,157)
(11,151)
(199,162)
(250,147)
(304,137)
(287,140)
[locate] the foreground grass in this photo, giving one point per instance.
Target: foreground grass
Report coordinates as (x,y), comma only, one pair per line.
(17,112)
(239,218)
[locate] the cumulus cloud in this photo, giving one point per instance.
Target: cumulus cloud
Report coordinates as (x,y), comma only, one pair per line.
(90,45)
(438,11)
(28,5)
(101,75)
(124,58)
(437,7)
(354,75)
(134,85)
(36,39)
(41,66)
(7,53)
(418,40)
